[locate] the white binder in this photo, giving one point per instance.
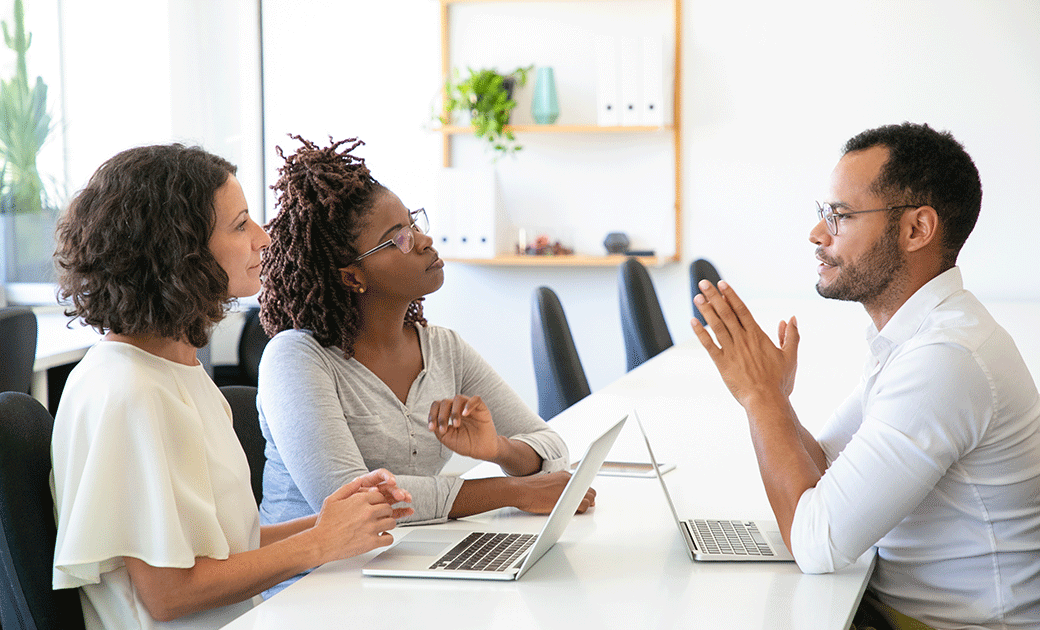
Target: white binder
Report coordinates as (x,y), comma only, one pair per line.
(652,105)
(442,215)
(475,226)
(631,56)
(608,93)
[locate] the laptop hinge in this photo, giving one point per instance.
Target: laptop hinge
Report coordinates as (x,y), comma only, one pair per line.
(690,540)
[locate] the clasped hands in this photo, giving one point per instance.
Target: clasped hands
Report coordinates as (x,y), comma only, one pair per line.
(383,482)
(359,515)
(754,368)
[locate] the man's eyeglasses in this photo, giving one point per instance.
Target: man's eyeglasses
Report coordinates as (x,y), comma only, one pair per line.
(827,214)
(404,239)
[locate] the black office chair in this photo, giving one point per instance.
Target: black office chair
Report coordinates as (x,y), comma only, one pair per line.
(701,269)
(17,348)
(557,369)
(642,322)
(251,347)
(27,517)
(246,420)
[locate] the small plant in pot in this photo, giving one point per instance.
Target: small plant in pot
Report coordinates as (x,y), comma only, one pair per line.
(488,97)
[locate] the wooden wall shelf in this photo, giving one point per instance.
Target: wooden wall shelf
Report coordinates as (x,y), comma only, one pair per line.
(493,1)
(560,261)
(448,132)
(567,129)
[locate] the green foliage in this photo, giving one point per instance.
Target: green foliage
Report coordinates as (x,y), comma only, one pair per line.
(485,95)
(24,125)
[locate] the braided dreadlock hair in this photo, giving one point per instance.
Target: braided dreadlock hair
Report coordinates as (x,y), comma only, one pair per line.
(322,196)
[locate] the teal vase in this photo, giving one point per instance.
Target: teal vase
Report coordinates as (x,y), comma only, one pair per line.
(544,107)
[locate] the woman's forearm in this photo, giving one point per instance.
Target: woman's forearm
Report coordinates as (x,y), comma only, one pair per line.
(354,519)
(517,458)
(280,531)
(536,494)
(482,495)
(169,593)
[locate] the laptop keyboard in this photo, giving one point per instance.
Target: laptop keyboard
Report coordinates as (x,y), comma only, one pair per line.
(740,538)
(485,552)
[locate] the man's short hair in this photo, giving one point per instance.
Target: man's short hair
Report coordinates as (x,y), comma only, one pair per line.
(928,167)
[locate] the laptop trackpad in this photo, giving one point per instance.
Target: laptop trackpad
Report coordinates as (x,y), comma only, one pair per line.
(415,548)
(425,542)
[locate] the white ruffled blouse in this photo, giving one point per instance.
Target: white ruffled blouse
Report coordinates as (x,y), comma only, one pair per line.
(147,465)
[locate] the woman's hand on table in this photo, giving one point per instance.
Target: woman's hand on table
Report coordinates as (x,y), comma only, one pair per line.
(539,493)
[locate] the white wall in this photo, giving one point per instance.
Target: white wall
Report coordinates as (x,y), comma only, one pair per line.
(162,71)
(771,92)
(354,69)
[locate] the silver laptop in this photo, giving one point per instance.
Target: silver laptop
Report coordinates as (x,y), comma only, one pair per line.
(461,554)
(724,540)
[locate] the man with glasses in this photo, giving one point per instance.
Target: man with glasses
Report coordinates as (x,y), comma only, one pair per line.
(935,457)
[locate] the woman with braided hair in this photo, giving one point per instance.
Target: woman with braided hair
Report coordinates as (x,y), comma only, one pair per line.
(354,379)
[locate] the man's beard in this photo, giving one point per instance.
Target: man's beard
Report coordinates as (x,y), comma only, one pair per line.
(868,278)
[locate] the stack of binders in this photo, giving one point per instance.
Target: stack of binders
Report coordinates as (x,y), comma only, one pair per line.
(630,80)
(468,221)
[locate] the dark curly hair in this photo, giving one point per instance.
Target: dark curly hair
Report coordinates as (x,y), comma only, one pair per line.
(928,167)
(322,196)
(133,247)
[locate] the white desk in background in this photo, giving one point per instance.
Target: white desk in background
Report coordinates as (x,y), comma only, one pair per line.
(60,343)
(623,564)
(57,343)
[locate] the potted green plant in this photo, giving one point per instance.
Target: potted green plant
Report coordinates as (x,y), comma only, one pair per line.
(487,95)
(28,209)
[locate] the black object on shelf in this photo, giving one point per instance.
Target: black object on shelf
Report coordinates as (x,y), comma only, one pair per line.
(616,243)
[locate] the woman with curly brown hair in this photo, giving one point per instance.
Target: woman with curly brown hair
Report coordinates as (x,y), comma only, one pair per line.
(157,524)
(355,379)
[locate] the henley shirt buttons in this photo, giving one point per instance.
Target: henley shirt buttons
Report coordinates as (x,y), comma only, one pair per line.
(411,433)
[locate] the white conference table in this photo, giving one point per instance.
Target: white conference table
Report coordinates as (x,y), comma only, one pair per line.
(621,565)
(57,343)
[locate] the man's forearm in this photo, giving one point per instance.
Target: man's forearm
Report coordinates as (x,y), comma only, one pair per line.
(790,460)
(813,448)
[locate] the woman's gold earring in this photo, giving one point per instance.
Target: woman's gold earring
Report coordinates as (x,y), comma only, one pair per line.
(361,289)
